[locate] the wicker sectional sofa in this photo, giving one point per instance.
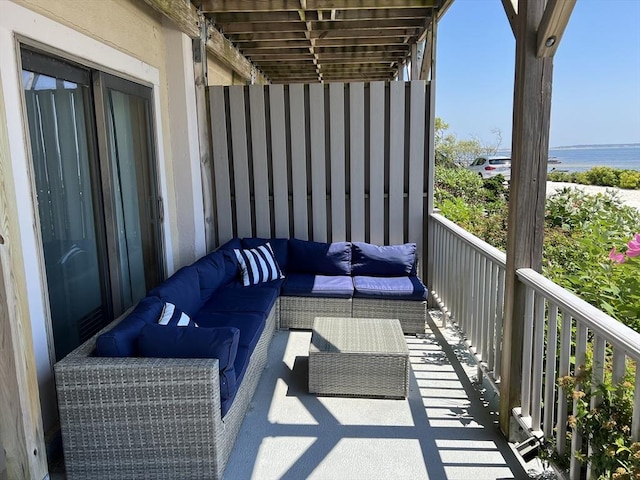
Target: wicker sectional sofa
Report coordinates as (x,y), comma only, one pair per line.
(145,400)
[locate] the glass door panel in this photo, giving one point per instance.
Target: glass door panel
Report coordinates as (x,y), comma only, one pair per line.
(133,199)
(61,144)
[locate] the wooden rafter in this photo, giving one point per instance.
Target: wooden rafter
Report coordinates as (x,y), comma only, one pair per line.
(554,21)
(293,5)
(511,9)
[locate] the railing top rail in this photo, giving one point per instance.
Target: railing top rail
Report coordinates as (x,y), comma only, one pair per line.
(605,326)
(474,242)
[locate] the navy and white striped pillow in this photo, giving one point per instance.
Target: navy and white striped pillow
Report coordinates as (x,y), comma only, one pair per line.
(174,317)
(258,265)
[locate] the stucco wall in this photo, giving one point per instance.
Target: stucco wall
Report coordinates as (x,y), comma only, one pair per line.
(140,33)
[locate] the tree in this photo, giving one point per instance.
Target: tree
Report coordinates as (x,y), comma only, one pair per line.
(451,152)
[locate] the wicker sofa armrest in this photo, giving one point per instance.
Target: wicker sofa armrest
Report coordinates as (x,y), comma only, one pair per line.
(138,417)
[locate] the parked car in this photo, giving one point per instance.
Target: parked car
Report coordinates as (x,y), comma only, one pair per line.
(490,166)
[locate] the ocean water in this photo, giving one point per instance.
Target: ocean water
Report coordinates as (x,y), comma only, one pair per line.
(577,159)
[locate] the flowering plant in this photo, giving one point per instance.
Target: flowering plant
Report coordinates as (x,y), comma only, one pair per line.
(633,250)
(607,426)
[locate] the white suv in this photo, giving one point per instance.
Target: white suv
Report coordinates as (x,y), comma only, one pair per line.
(491,166)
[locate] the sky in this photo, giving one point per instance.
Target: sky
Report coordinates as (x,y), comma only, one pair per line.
(596,74)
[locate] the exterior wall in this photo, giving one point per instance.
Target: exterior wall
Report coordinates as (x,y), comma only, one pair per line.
(126,38)
(217,72)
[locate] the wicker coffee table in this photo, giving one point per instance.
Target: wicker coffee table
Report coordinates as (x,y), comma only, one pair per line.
(359,357)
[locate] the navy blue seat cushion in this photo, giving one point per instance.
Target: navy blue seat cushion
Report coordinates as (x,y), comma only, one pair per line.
(251,325)
(247,299)
(397,288)
(231,244)
(279,246)
(275,284)
(122,340)
(383,261)
(242,362)
(182,289)
(309,285)
(319,258)
(211,273)
(173,342)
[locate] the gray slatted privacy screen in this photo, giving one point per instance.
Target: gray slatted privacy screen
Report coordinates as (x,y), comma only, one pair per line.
(320,162)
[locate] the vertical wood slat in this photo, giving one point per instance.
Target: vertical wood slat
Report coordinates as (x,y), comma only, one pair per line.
(618,366)
(356,160)
(298,161)
(260,161)
(318,162)
(396,163)
(279,161)
(224,218)
(499,320)
(416,163)
(635,417)
(337,148)
(376,162)
(240,161)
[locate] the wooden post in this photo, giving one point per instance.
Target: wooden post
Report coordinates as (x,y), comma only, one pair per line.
(204,137)
(21,431)
(428,69)
(530,149)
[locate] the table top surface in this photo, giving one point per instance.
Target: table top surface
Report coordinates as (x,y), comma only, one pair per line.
(357,335)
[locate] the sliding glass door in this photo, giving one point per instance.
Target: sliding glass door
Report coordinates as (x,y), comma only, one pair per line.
(92,148)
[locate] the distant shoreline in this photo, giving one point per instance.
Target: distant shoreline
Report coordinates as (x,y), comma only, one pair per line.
(597,145)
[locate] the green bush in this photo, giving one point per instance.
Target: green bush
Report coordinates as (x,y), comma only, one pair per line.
(457,183)
(603,176)
(630,179)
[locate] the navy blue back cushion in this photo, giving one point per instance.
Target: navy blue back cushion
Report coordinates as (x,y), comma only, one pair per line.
(122,340)
(174,342)
(319,258)
(279,246)
(383,261)
(182,289)
(211,273)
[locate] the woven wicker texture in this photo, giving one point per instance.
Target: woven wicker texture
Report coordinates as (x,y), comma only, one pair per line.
(412,314)
(358,357)
(299,312)
(132,418)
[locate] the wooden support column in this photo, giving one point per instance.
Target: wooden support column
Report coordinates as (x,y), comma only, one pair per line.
(204,133)
(428,66)
(529,152)
(21,431)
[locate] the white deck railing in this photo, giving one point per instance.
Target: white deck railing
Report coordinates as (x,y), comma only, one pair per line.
(468,284)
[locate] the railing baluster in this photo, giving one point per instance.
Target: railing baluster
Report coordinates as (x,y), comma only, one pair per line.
(491,325)
(499,318)
(576,438)
(635,422)
(550,371)
(619,364)
(527,349)
(482,302)
(538,359)
(597,378)
(563,371)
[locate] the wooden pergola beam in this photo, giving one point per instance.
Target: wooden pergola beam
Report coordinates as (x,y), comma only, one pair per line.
(294,5)
(511,9)
(183,14)
(342,15)
(552,26)
(300,26)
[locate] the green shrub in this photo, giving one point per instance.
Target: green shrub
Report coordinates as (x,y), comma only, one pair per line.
(630,179)
(457,183)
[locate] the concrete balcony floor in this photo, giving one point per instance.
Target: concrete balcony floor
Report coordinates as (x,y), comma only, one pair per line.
(446,429)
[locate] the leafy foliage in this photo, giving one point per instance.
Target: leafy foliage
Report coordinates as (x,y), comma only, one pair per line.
(603,176)
(451,152)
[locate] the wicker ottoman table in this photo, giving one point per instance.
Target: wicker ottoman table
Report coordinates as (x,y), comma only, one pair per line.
(359,357)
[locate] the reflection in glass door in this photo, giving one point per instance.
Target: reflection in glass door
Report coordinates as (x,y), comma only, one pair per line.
(62,150)
(92,148)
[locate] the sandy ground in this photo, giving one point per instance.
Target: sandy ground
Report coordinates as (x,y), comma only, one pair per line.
(629,197)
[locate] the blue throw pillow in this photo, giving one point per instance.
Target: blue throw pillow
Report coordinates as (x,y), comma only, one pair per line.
(122,340)
(319,258)
(182,289)
(383,261)
(172,342)
(212,273)
(258,265)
